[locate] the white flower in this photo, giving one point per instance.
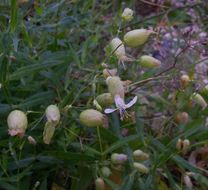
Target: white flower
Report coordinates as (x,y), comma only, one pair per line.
(121,106)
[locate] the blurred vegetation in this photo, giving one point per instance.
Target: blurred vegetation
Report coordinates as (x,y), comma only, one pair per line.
(51,53)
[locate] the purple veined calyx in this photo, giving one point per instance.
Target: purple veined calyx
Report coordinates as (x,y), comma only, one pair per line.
(121,106)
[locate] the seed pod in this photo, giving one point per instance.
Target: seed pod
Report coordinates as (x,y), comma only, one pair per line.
(99,184)
(149,62)
(182,118)
(137,37)
(141,168)
(184,81)
(48,132)
(118,158)
(106,172)
(127,14)
(115,86)
(53,114)
(118,48)
(91,118)
(17,123)
(105,100)
(198,99)
(139,155)
(109,72)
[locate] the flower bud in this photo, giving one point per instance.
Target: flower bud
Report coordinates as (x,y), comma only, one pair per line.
(127,14)
(31,140)
(183,145)
(149,62)
(99,184)
(139,155)
(187,181)
(137,37)
(141,168)
(91,118)
(118,158)
(115,86)
(184,81)
(105,100)
(118,48)
(198,99)
(53,114)
(106,172)
(17,123)
(48,132)
(186,144)
(182,118)
(179,144)
(109,72)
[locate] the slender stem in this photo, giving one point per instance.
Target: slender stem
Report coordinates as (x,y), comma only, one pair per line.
(100,141)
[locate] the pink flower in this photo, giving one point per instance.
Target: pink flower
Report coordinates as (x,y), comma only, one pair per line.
(121,106)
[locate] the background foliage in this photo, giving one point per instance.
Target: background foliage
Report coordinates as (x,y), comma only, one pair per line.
(51,53)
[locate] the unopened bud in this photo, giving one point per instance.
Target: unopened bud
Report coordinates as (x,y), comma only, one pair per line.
(48,132)
(118,158)
(31,140)
(127,14)
(137,37)
(106,172)
(105,99)
(115,86)
(149,62)
(139,155)
(99,184)
(17,123)
(109,72)
(184,81)
(183,145)
(182,118)
(53,114)
(141,168)
(118,48)
(91,118)
(198,99)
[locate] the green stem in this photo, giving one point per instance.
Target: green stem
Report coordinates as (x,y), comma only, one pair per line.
(100,141)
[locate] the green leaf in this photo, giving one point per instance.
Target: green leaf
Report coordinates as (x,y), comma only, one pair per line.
(121,143)
(13,21)
(128,182)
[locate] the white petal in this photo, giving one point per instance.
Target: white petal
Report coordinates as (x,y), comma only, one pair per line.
(131,103)
(119,101)
(108,110)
